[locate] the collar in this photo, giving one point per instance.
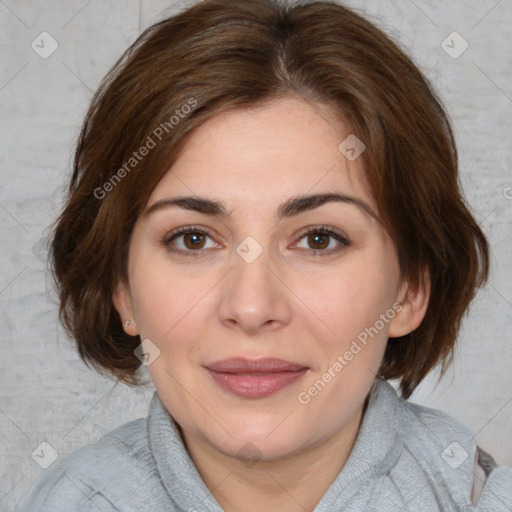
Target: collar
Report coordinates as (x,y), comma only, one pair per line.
(377,448)
(372,455)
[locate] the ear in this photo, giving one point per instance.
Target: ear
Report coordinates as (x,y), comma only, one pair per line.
(123,304)
(414,302)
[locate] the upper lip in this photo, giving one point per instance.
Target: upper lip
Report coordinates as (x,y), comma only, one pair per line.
(242,365)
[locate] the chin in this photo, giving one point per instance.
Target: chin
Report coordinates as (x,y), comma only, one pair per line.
(251,450)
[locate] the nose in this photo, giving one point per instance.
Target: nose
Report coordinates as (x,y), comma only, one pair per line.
(254,299)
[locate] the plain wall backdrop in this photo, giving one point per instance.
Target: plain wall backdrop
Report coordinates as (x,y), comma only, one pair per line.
(46,82)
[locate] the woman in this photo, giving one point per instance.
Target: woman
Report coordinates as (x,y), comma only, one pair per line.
(265,213)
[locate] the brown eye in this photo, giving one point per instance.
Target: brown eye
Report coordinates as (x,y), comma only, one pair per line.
(324,241)
(187,241)
(318,240)
(193,240)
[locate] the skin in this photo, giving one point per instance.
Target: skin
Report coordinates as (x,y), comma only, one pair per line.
(289,303)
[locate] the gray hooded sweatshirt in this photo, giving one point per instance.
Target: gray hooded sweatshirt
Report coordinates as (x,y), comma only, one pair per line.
(406,458)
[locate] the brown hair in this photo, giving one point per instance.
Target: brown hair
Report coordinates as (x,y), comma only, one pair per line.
(219,55)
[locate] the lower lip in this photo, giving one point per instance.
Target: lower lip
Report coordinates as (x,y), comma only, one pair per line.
(256,386)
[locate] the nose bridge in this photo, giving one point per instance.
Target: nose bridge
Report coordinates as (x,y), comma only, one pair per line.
(251,274)
(253,296)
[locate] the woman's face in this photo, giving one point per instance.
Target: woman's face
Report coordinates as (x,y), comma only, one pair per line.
(250,283)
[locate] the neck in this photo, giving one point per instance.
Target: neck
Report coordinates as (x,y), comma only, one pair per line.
(291,484)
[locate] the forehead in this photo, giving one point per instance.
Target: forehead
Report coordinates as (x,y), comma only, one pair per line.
(279,149)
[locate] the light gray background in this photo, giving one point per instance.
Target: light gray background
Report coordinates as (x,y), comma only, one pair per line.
(47,394)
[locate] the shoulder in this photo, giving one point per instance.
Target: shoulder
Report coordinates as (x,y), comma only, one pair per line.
(116,473)
(429,428)
(449,458)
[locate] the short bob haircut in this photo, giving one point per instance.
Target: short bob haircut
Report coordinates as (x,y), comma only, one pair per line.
(220,55)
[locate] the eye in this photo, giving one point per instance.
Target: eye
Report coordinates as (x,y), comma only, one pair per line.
(319,239)
(192,241)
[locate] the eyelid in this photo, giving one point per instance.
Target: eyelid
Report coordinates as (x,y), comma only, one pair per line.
(327,229)
(186,229)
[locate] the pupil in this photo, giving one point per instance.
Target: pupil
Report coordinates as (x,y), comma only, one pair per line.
(195,237)
(317,237)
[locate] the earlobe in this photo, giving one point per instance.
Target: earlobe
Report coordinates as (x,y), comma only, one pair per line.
(414,303)
(122,303)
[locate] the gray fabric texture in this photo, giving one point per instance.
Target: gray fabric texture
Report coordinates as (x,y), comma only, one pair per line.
(406,458)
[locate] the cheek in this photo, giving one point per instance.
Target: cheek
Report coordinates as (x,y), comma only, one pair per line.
(351,299)
(169,301)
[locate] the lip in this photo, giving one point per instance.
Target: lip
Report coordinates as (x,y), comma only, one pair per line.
(264,365)
(255,378)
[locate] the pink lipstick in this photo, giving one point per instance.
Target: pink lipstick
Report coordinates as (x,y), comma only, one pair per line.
(255,378)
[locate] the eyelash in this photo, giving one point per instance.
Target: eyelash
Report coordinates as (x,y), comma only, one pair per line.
(323,230)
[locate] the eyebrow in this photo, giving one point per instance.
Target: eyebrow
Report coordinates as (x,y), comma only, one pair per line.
(293,206)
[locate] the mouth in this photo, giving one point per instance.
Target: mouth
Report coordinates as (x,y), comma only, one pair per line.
(255,378)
